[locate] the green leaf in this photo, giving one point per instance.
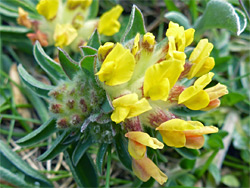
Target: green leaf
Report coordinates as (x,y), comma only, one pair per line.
(101,156)
(179,18)
(186,180)
(230,181)
(135,25)
(86,50)
(187,163)
(39,105)
(13,179)
(94,40)
(93,10)
(43,132)
(56,148)
(188,153)
(84,172)
(80,149)
(52,68)
(215,142)
(184,111)
(69,66)
(213,169)
(220,14)
(14,29)
(8,13)
(121,147)
(21,165)
(87,64)
(232,98)
(39,88)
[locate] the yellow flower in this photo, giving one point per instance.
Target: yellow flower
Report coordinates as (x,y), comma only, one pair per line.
(138,141)
(105,49)
(128,106)
(160,78)
(48,8)
(202,63)
(118,66)
(149,38)
(182,37)
(109,24)
(180,133)
(145,168)
(214,93)
(194,97)
(72,4)
(173,53)
(23,18)
(64,34)
(136,44)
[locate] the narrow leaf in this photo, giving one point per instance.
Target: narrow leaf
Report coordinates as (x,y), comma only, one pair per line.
(121,147)
(184,111)
(39,88)
(43,132)
(56,148)
(101,156)
(80,149)
(20,164)
(52,68)
(13,179)
(84,172)
(135,25)
(69,66)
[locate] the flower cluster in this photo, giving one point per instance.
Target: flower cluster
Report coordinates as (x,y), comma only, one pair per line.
(144,81)
(68,24)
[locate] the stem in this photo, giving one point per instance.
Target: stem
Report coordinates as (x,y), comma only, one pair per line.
(7,116)
(108,168)
(12,124)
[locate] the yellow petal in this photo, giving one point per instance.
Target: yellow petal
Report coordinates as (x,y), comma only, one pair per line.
(105,49)
(109,24)
(139,107)
(204,80)
(48,8)
(144,169)
(128,106)
(178,125)
(198,101)
(122,68)
(136,150)
(64,34)
(201,68)
(159,78)
(149,38)
(72,4)
(173,138)
(217,91)
(136,44)
(201,130)
(119,114)
(189,36)
(144,139)
(201,51)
